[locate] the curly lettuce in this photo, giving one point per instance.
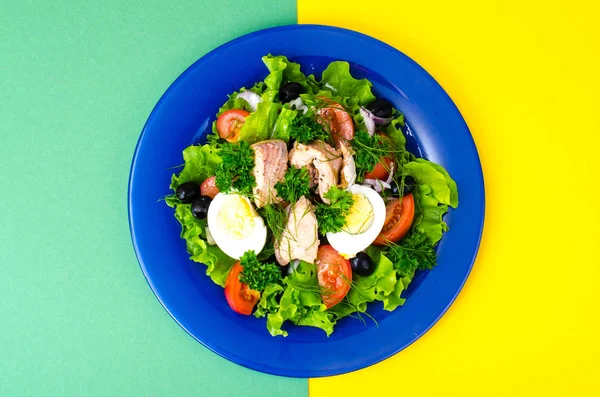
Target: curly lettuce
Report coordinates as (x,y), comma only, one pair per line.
(436,191)
(201,162)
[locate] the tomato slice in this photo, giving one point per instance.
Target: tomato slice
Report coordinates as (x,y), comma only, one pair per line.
(240,298)
(209,187)
(334,274)
(399,215)
(381,170)
(230,122)
(340,122)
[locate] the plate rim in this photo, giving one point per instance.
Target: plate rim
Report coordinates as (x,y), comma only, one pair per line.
(258,366)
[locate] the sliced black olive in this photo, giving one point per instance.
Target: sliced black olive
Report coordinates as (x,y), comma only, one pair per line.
(187,192)
(409,185)
(290,91)
(199,207)
(381,108)
(362,264)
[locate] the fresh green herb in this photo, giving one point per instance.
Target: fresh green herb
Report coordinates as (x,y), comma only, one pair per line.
(276,219)
(369,150)
(414,252)
(258,274)
(295,184)
(305,129)
(235,171)
(332,217)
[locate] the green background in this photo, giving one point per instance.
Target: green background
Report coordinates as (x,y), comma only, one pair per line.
(77,83)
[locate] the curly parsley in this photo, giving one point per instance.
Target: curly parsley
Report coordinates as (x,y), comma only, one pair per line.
(235,171)
(256,274)
(295,184)
(305,128)
(332,217)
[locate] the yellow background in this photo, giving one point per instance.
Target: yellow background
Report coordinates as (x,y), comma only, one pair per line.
(524,74)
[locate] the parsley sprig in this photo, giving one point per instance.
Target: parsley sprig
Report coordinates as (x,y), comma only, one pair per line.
(305,128)
(295,184)
(414,252)
(257,275)
(235,171)
(332,217)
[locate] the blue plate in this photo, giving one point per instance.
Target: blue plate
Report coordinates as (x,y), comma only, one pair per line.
(184,115)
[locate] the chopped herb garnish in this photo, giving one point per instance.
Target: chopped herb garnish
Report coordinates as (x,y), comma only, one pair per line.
(257,275)
(305,129)
(414,252)
(332,217)
(235,171)
(295,184)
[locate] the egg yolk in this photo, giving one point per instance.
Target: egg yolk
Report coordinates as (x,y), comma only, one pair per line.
(236,217)
(361,215)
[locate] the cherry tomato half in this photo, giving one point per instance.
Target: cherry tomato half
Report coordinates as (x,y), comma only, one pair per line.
(230,122)
(240,298)
(399,215)
(334,274)
(381,170)
(209,187)
(340,123)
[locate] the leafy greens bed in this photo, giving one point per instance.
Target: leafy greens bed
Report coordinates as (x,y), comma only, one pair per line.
(304,203)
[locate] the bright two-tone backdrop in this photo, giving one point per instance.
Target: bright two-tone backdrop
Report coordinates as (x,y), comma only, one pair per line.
(78,80)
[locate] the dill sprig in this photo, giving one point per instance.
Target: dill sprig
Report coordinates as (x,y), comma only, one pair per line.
(414,252)
(276,219)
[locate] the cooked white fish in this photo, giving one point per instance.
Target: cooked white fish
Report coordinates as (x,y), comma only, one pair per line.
(323,162)
(270,164)
(299,239)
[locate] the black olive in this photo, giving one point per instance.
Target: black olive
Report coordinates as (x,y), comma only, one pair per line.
(290,91)
(199,207)
(187,192)
(409,185)
(362,264)
(381,108)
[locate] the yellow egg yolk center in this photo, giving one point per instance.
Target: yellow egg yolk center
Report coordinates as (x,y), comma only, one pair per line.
(236,217)
(360,217)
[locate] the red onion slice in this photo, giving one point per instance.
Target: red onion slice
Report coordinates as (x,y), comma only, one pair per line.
(252,98)
(298,104)
(371,120)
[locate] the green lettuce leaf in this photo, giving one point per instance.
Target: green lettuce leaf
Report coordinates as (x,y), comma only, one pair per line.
(435,192)
(337,78)
(283,123)
(200,162)
(299,303)
(193,231)
(259,125)
(281,71)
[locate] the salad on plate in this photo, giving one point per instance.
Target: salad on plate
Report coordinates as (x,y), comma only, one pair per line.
(304,203)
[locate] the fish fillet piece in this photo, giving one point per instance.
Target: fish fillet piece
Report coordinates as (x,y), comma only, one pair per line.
(299,239)
(323,162)
(270,164)
(348,172)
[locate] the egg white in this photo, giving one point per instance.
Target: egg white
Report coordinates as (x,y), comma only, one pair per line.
(349,245)
(233,247)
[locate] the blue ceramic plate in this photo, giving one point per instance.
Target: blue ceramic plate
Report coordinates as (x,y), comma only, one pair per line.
(184,115)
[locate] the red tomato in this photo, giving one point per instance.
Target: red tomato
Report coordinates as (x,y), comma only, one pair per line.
(334,274)
(209,187)
(240,298)
(229,124)
(399,215)
(381,170)
(340,122)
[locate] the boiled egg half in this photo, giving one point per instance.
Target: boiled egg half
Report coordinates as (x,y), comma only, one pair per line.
(235,225)
(363,222)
